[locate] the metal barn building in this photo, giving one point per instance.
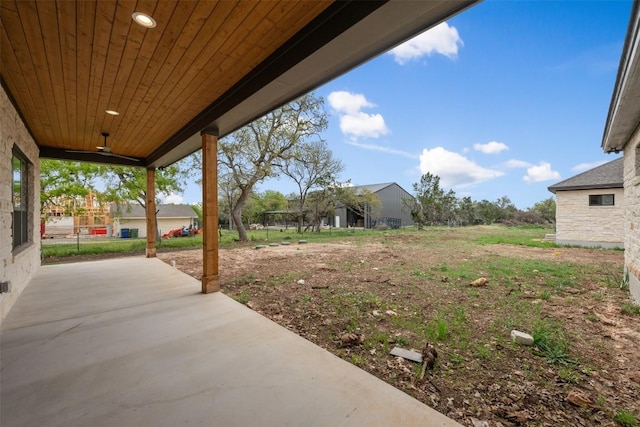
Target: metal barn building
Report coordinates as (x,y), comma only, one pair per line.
(392,211)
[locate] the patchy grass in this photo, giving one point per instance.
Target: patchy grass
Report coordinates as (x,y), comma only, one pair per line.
(630,308)
(406,288)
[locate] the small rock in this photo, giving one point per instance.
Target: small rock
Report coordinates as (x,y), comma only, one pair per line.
(479,423)
(521,338)
(390,313)
(376,313)
(350,339)
(480,282)
(434,399)
(301,282)
(580,398)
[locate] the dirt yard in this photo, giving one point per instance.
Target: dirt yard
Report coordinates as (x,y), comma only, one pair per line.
(360,298)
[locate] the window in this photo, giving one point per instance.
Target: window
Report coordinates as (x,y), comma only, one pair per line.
(20,185)
(601,200)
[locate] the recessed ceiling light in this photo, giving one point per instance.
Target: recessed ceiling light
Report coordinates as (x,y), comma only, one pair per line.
(143,19)
(112,112)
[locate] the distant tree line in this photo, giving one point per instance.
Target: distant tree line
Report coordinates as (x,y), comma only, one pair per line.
(432,205)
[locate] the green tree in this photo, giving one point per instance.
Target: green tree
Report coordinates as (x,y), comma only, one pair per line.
(311,166)
(251,154)
(63,180)
(505,208)
(431,204)
(466,211)
(487,212)
(546,209)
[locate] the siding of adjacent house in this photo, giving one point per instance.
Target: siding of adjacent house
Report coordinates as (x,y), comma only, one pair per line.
(169,218)
(632,213)
(17,266)
(164,225)
(577,223)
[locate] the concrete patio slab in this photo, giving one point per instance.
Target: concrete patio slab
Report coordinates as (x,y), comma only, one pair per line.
(132,342)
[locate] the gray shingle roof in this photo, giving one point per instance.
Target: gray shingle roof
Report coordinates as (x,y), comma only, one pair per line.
(608,175)
(164,211)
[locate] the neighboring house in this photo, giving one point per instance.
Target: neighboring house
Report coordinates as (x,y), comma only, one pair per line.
(392,210)
(83,215)
(622,133)
(590,207)
(170,217)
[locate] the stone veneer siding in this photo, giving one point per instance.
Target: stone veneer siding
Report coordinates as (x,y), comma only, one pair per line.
(632,213)
(577,223)
(17,267)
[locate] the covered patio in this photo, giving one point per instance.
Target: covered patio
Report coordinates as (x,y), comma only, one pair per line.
(145,84)
(132,342)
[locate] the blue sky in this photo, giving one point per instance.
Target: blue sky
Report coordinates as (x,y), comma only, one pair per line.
(506,98)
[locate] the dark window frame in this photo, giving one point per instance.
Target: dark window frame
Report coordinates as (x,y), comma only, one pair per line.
(20,229)
(602,199)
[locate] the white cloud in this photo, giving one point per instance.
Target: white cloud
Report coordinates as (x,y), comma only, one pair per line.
(514,163)
(353,122)
(172,199)
(581,167)
(454,169)
(374,147)
(441,39)
(492,147)
(541,172)
(347,102)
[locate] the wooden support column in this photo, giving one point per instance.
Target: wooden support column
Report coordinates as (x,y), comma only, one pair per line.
(210,279)
(151,213)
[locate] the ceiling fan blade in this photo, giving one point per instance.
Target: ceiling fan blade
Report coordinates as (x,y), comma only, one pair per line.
(120,156)
(104,150)
(104,153)
(82,151)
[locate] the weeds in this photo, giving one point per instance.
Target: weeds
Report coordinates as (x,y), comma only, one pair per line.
(626,418)
(243,298)
(551,343)
(569,375)
(630,308)
(438,330)
(357,360)
(624,283)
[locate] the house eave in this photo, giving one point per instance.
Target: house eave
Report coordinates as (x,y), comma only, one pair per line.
(322,53)
(554,189)
(623,119)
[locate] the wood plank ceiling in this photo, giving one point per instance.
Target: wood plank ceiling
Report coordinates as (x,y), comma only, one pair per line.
(65,63)
(205,63)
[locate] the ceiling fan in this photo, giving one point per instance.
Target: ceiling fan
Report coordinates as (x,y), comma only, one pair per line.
(104,150)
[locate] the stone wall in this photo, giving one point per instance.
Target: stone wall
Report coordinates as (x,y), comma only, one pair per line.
(632,213)
(17,267)
(577,223)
